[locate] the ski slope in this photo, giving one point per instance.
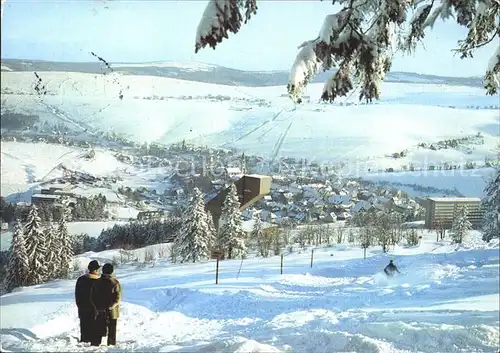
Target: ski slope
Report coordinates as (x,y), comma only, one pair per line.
(447,300)
(255,119)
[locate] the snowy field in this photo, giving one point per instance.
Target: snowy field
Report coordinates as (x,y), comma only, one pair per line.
(255,119)
(447,300)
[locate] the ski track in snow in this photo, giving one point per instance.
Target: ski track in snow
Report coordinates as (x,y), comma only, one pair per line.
(444,301)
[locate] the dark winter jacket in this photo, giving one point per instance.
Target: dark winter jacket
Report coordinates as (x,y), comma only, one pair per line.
(83,289)
(106,296)
(391,269)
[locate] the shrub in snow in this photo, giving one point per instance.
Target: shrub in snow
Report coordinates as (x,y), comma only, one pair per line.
(277,239)
(360,39)
(491,207)
(412,237)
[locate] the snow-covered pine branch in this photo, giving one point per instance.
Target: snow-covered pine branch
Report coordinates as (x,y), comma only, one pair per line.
(492,77)
(358,39)
(221,17)
(491,207)
(304,69)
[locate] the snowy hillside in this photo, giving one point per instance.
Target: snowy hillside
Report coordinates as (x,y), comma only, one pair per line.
(260,120)
(209,73)
(447,300)
(469,183)
(26,165)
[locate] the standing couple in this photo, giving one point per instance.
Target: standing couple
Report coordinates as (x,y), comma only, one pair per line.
(98,302)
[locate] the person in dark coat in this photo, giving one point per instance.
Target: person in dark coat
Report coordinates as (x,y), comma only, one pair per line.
(86,311)
(391,269)
(106,296)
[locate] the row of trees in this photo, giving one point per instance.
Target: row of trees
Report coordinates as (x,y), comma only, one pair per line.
(136,234)
(91,208)
(39,252)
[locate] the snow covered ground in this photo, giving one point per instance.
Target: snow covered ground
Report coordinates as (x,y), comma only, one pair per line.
(26,165)
(255,119)
(447,300)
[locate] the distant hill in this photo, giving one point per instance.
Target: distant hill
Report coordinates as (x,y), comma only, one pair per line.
(193,71)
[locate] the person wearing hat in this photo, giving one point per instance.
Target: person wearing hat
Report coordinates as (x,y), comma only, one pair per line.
(86,311)
(106,296)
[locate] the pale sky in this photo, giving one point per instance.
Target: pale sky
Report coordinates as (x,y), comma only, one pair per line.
(164,30)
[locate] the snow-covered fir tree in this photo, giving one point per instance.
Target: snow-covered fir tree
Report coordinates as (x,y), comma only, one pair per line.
(491,207)
(231,234)
(359,41)
(36,247)
(66,245)
(194,240)
(18,266)
(53,245)
(461,225)
(212,234)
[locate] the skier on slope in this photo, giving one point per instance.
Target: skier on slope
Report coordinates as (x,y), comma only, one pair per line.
(391,269)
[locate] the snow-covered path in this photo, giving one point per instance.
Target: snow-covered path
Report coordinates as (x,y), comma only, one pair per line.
(446,301)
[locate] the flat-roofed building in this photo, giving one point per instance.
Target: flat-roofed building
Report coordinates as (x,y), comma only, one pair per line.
(250,189)
(443,210)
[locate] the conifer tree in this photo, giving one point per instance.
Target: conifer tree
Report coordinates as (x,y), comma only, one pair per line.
(193,242)
(461,225)
(18,266)
(491,207)
(36,247)
(53,245)
(66,245)
(231,235)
